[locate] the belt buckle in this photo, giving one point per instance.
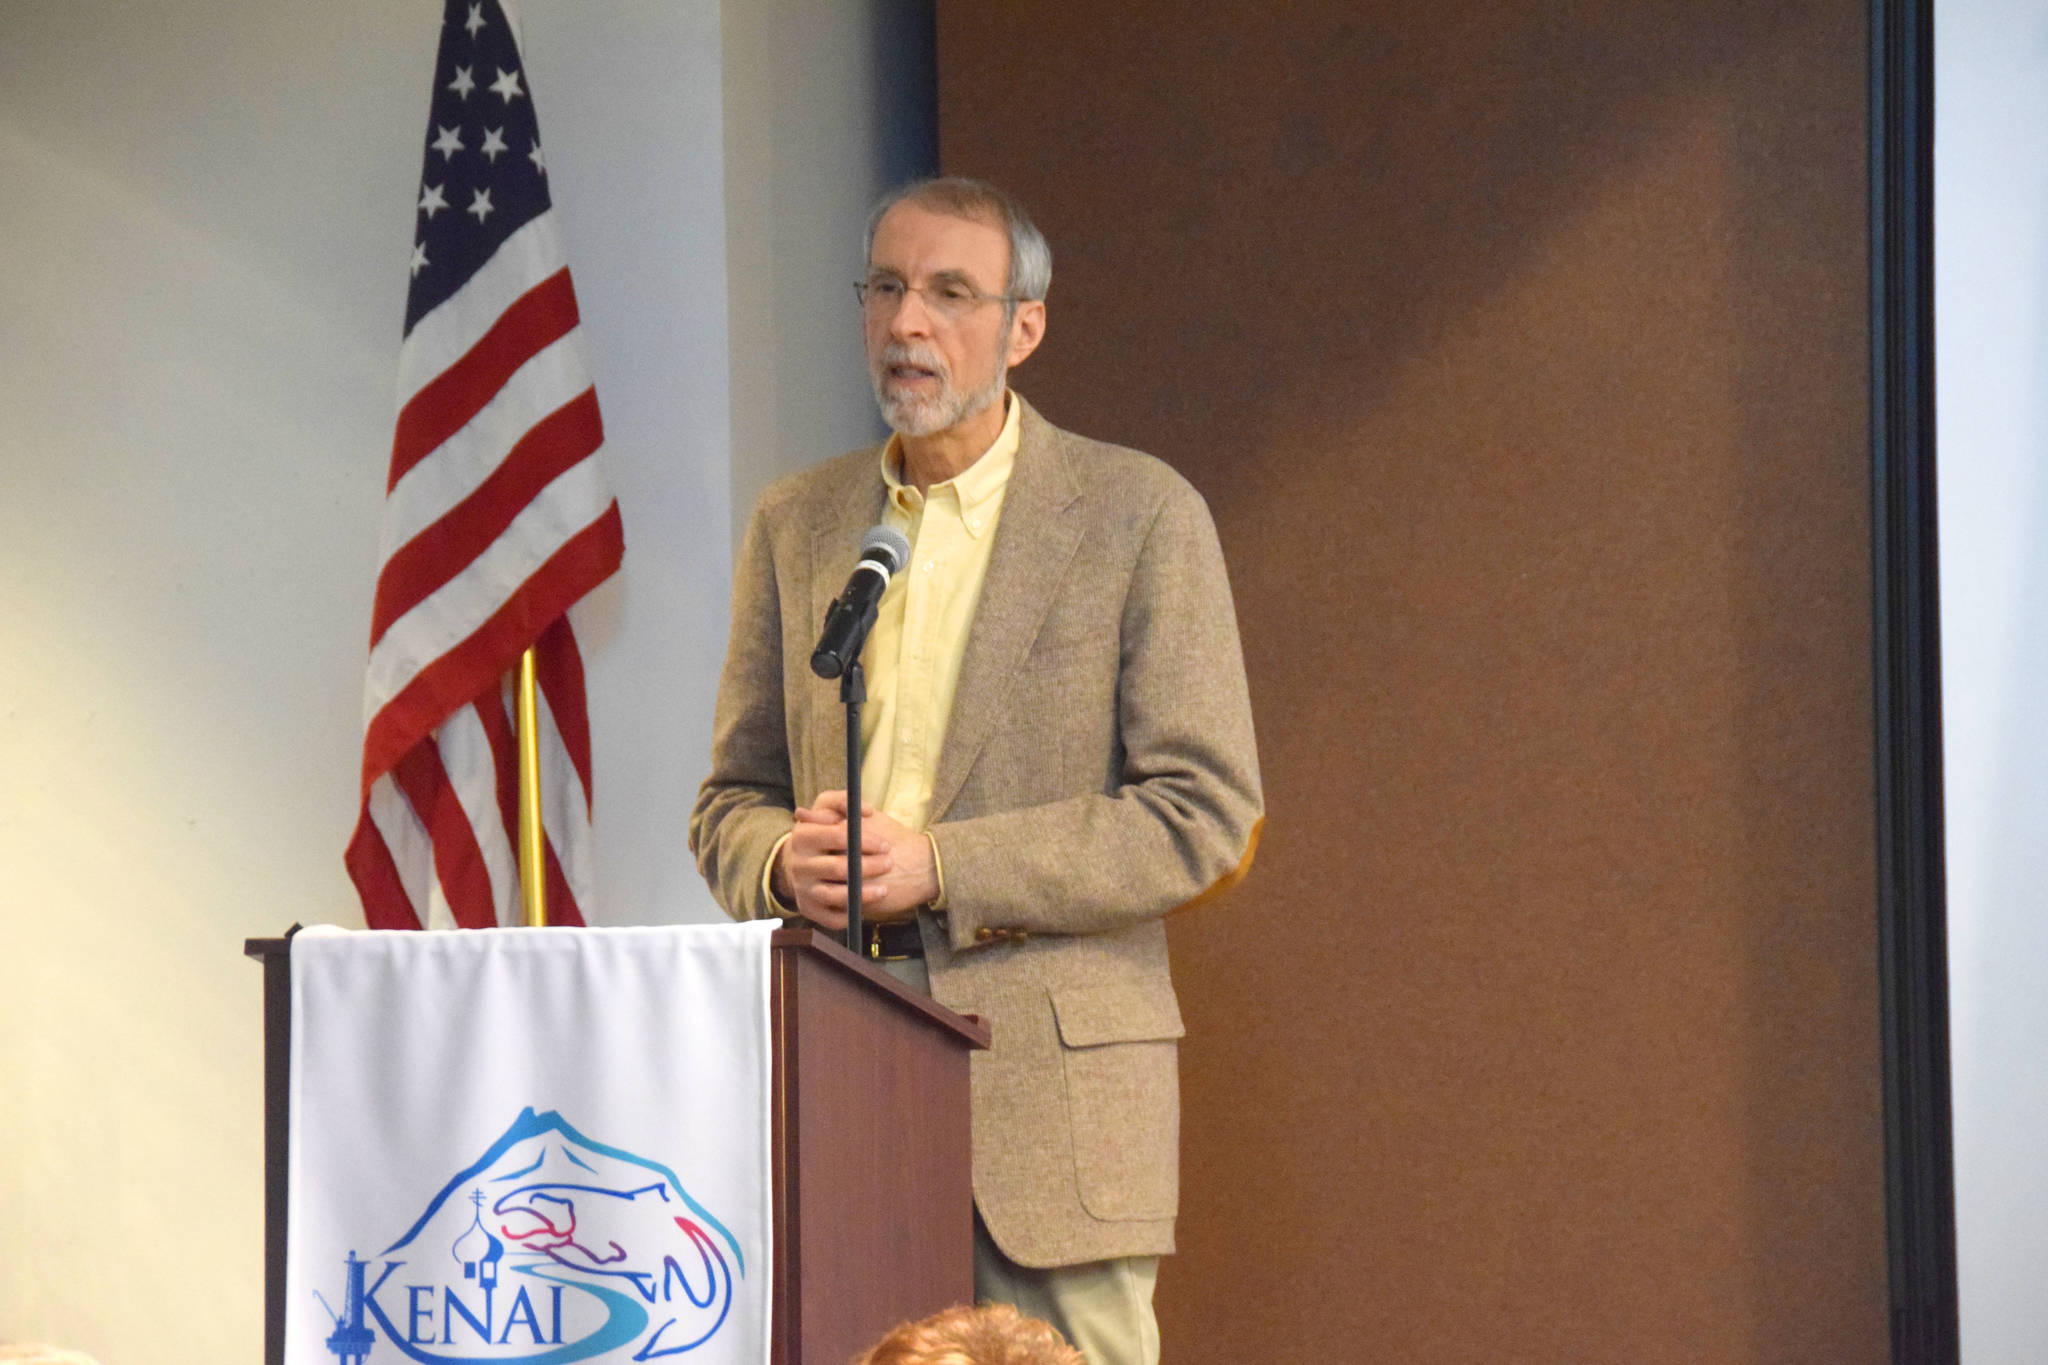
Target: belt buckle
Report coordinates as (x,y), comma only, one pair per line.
(873,934)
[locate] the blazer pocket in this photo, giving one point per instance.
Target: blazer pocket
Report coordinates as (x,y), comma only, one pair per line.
(1121,1065)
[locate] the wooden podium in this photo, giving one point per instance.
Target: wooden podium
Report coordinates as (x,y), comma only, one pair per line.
(874,1201)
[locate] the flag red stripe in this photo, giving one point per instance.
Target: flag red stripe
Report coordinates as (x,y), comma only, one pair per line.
(461,675)
(561,901)
(562,907)
(558,442)
(378,885)
(539,317)
(504,742)
(558,664)
(458,862)
(504,435)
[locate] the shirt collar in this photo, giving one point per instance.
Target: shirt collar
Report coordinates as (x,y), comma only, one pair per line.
(974,485)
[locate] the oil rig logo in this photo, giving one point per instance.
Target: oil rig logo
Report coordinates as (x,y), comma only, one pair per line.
(550,1248)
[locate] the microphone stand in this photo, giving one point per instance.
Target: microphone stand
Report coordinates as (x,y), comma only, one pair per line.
(847,624)
(853,690)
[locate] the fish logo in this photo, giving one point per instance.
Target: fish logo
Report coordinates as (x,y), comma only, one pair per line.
(549,1248)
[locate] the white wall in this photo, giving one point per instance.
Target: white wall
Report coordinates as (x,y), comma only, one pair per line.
(1991,319)
(206,208)
(826,105)
(635,162)
(198,306)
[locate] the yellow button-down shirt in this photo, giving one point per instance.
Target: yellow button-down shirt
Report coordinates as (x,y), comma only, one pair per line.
(912,656)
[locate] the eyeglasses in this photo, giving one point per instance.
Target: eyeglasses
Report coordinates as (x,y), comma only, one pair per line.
(948,296)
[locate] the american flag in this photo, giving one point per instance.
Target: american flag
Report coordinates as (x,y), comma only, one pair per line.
(496,519)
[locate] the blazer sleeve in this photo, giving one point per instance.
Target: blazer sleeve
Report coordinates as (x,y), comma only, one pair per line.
(747,803)
(1185,814)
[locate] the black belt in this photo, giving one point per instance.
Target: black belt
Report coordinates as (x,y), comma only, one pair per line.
(891,941)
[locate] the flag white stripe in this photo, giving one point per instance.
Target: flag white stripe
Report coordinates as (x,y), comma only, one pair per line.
(459,465)
(564,804)
(454,611)
(473,777)
(445,335)
(440,914)
(406,840)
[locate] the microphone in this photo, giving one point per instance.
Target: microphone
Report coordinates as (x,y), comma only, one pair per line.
(883,553)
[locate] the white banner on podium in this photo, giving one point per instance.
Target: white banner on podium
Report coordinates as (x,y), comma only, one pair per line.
(534,1145)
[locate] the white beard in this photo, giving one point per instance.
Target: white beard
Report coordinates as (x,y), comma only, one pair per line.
(913,416)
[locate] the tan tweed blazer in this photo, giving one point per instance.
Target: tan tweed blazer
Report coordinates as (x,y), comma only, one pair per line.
(1098,771)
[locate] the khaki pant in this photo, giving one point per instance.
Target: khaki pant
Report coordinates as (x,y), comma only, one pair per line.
(1103,1307)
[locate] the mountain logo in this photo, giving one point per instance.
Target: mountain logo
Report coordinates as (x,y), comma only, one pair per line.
(549,1248)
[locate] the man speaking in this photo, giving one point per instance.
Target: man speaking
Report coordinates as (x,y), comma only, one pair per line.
(1056,752)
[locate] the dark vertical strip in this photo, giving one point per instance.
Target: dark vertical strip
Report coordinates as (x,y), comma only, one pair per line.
(275,955)
(784,1006)
(1912,934)
(906,94)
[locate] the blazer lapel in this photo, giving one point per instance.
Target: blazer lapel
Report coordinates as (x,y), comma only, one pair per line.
(1035,541)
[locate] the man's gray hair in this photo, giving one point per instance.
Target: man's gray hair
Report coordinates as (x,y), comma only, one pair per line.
(958,197)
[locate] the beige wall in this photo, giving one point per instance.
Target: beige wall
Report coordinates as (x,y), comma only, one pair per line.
(196,363)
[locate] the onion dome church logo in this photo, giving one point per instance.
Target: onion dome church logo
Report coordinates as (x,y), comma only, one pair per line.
(550,1248)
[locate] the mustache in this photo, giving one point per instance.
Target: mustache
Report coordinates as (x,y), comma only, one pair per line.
(924,357)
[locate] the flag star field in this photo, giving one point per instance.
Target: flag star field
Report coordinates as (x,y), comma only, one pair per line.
(482,158)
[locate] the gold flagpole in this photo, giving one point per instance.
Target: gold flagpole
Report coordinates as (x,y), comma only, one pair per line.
(532,865)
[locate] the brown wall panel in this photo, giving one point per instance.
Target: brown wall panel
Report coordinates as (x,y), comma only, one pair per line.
(1521,353)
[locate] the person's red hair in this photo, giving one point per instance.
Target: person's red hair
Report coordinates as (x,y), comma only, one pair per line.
(993,1334)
